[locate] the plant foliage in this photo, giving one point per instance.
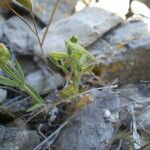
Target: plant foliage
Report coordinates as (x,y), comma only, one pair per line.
(16,77)
(74,63)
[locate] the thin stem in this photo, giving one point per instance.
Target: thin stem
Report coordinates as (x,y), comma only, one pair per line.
(50,20)
(6,2)
(51,105)
(36,31)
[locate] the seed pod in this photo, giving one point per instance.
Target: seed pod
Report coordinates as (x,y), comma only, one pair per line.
(4,54)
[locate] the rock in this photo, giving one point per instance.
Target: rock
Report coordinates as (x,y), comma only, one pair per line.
(116,6)
(90,128)
(92,21)
(3,94)
(128,32)
(2,20)
(18,105)
(43,9)
(27,63)
(141,7)
(143,119)
(17,139)
(6,115)
(133,113)
(125,53)
(137,96)
(18,34)
(44,83)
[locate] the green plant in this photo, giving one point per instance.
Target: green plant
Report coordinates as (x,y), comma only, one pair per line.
(74,63)
(16,77)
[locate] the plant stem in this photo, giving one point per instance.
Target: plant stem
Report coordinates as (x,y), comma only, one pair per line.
(34,97)
(36,31)
(50,21)
(6,2)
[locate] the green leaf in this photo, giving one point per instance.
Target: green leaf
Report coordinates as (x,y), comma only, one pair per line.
(9,72)
(74,39)
(60,60)
(34,94)
(58,55)
(19,69)
(8,82)
(26,3)
(35,107)
(15,70)
(75,63)
(68,91)
(4,54)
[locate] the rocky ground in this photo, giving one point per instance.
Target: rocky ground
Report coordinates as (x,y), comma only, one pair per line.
(118,35)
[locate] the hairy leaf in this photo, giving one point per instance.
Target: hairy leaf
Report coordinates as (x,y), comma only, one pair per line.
(8,82)
(74,64)
(19,69)
(34,94)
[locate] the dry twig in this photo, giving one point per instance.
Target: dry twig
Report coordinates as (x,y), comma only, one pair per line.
(50,21)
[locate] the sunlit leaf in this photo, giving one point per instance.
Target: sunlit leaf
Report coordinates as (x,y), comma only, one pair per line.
(4,54)
(74,39)
(74,63)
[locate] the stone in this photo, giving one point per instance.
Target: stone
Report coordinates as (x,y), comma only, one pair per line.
(17,34)
(141,7)
(89,128)
(138,96)
(124,53)
(43,9)
(6,115)
(44,83)
(116,6)
(2,20)
(27,63)
(88,25)
(128,32)
(18,105)
(18,138)
(3,95)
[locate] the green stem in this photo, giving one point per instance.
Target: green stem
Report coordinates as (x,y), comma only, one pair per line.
(34,97)
(76,81)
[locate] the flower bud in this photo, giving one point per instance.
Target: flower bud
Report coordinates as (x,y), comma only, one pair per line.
(4,54)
